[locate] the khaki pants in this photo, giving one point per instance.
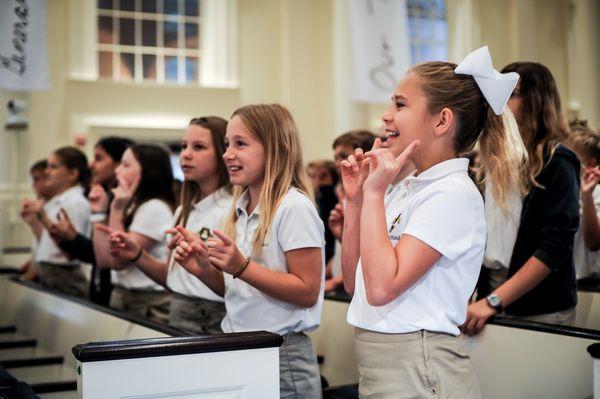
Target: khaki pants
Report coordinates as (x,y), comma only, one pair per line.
(149,304)
(299,376)
(196,315)
(421,364)
(66,279)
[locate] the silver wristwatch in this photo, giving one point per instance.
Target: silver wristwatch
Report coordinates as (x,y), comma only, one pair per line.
(495,302)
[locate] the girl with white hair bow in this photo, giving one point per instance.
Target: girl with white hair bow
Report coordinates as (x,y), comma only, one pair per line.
(420,246)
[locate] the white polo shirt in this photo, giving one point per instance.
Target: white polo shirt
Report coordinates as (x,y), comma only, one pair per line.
(151,219)
(296,225)
(502,228)
(442,208)
(77,207)
(209,213)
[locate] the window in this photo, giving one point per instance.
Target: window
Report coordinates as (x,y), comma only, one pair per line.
(150,40)
(428,30)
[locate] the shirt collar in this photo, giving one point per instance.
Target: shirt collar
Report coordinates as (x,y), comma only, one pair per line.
(242,204)
(77,189)
(206,202)
(441,170)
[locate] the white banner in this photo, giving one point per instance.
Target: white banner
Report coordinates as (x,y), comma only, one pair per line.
(379,48)
(23,54)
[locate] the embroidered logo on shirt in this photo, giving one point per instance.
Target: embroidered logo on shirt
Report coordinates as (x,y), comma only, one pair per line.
(393,226)
(205,233)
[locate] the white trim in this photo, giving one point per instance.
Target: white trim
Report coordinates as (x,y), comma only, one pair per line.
(83,28)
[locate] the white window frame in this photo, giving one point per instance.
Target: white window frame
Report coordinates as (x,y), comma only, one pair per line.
(218,33)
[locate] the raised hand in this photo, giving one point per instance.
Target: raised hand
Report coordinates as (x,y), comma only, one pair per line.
(589,179)
(176,238)
(98,199)
(384,167)
(354,171)
(336,221)
(123,193)
(35,207)
(224,254)
(123,246)
(63,228)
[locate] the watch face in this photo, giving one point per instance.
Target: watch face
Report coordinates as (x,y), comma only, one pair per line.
(493,300)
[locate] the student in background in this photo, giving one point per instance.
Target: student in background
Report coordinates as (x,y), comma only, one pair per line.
(67,176)
(268,262)
(324,177)
(42,194)
(585,142)
(107,156)
(343,146)
(143,206)
(412,256)
(205,200)
(540,282)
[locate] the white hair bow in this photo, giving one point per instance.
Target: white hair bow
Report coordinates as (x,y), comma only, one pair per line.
(495,86)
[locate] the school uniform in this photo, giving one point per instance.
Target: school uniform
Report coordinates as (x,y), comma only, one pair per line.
(133,291)
(586,262)
(410,347)
(501,231)
(56,270)
(549,221)
(296,225)
(195,307)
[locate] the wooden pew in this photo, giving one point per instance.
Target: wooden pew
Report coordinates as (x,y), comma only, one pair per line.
(129,356)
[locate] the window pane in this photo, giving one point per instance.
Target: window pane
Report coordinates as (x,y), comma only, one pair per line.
(171,68)
(105,4)
(127,31)
(149,66)
(127,66)
(105,30)
(192,8)
(105,64)
(149,6)
(191,69)
(149,33)
(170,34)
(127,5)
(170,7)
(191,36)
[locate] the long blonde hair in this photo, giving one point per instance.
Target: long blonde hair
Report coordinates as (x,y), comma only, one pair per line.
(274,127)
(503,154)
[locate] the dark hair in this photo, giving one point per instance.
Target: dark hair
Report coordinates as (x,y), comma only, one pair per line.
(72,158)
(42,164)
(329,166)
(189,189)
(359,138)
(114,146)
(542,124)
(156,181)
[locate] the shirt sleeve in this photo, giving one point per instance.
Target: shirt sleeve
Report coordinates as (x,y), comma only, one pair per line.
(560,215)
(151,219)
(79,213)
(300,225)
(444,220)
